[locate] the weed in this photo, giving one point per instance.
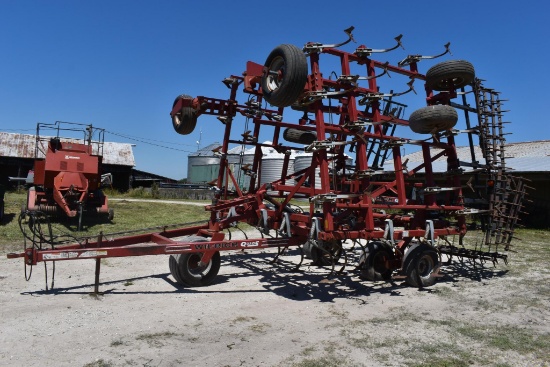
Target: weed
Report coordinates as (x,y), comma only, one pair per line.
(308,351)
(155,339)
(117,342)
(259,328)
(99,363)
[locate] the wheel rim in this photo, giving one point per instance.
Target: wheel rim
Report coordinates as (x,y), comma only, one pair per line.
(425,265)
(195,268)
(276,72)
(379,262)
(457,81)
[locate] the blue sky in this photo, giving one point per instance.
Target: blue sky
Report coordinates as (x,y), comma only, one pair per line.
(119,64)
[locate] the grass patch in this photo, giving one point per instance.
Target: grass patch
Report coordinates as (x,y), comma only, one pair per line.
(116,343)
(156,339)
(128,216)
(328,360)
(259,328)
(99,363)
(442,362)
(510,338)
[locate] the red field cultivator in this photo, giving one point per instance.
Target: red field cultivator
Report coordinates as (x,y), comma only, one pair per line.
(358,195)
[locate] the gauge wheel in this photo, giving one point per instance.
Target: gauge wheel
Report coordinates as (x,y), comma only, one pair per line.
(420,266)
(285,75)
(187,269)
(185,120)
(299,136)
(326,253)
(374,261)
(450,75)
(433,119)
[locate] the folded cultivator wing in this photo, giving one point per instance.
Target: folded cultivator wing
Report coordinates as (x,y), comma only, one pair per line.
(357,194)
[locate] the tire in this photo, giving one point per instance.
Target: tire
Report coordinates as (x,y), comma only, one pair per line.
(326,253)
(186,271)
(450,75)
(420,264)
(185,120)
(373,261)
(299,136)
(173,264)
(432,119)
(286,75)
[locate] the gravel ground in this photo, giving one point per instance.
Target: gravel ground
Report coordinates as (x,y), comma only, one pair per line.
(262,314)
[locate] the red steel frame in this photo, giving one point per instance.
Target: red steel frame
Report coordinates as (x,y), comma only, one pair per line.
(360,192)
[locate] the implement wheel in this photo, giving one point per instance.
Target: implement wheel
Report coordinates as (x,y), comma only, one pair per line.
(187,269)
(432,119)
(323,253)
(451,74)
(286,75)
(374,261)
(299,136)
(185,120)
(421,265)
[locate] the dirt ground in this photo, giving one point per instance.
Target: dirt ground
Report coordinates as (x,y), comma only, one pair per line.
(260,314)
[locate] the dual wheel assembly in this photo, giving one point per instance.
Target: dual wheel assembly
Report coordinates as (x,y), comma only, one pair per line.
(421,263)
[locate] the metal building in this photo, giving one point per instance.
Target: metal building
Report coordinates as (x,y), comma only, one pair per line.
(530,160)
(17,154)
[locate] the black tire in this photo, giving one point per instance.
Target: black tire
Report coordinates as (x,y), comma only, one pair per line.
(185,268)
(373,261)
(185,120)
(450,75)
(420,264)
(299,136)
(326,253)
(173,264)
(286,75)
(432,119)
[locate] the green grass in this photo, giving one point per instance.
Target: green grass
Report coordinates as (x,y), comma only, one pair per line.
(128,216)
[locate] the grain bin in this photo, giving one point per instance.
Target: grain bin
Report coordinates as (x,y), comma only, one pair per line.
(303,161)
(238,157)
(203,165)
(272,165)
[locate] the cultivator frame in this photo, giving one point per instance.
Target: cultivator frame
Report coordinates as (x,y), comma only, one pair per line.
(397,215)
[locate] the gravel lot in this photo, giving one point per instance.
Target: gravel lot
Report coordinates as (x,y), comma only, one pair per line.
(263,314)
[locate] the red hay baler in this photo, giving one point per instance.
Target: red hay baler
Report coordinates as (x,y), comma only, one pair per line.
(67,173)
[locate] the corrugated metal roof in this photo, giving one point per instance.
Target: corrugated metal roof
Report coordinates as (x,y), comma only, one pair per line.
(533,156)
(23,146)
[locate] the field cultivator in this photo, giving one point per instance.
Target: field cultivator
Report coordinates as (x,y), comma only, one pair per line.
(358,192)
